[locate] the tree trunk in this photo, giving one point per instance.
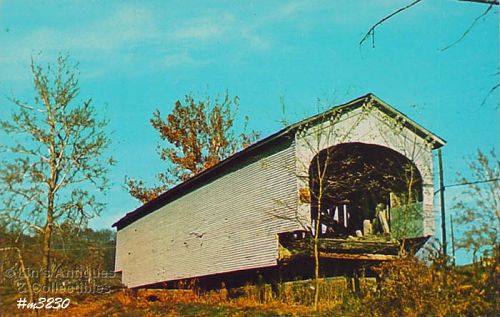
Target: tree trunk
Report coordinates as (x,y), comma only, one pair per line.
(46,246)
(317,227)
(25,274)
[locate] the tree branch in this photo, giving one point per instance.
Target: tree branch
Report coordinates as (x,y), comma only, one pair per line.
(18,220)
(371,31)
(489,93)
(469,28)
(492,2)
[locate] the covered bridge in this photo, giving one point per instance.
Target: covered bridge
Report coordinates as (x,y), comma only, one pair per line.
(362,169)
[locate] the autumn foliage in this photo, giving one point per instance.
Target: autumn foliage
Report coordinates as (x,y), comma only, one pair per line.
(410,287)
(195,135)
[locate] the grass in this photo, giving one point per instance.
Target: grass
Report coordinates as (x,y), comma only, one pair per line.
(409,287)
(171,304)
(295,301)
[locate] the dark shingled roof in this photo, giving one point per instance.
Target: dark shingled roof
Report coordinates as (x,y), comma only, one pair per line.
(283,134)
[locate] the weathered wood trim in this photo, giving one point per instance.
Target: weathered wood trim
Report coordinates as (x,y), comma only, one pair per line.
(362,256)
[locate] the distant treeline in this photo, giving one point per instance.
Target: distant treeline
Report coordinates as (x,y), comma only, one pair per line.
(82,260)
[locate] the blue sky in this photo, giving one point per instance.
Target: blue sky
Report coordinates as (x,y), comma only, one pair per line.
(136,56)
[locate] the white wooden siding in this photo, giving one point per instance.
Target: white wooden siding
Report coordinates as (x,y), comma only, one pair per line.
(229,224)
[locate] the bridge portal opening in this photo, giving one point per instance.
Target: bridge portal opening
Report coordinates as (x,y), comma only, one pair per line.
(365,190)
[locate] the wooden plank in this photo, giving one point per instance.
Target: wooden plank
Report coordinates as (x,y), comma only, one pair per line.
(383,221)
(367,227)
(358,246)
(360,256)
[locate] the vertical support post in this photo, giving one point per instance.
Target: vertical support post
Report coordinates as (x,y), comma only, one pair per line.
(452,240)
(345,216)
(441,196)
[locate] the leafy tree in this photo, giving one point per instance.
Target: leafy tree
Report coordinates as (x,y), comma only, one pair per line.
(198,135)
(55,163)
(479,205)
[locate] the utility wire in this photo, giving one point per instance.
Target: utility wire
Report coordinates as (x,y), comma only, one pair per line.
(475,182)
(470,183)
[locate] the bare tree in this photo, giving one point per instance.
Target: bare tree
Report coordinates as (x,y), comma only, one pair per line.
(314,182)
(55,162)
(479,205)
(316,140)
